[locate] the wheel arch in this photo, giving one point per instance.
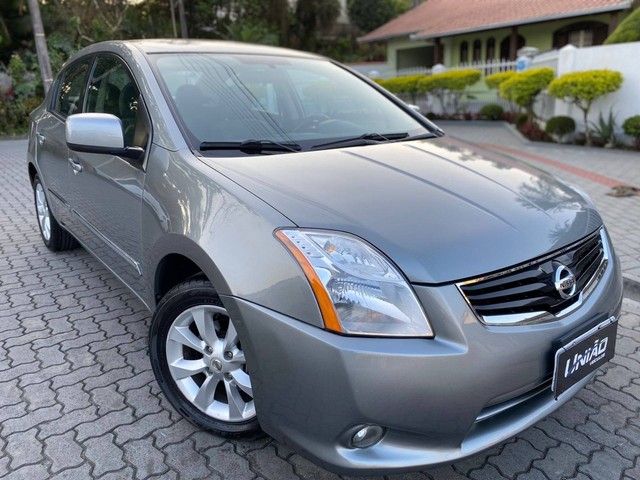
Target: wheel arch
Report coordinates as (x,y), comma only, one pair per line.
(33,171)
(179,258)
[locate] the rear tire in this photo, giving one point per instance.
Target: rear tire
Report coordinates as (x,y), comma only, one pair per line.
(197,358)
(53,235)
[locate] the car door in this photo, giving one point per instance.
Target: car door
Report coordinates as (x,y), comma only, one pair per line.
(106,190)
(52,153)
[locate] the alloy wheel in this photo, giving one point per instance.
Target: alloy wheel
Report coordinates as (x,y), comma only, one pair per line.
(208,365)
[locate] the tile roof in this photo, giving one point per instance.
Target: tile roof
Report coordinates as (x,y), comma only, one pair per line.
(435,18)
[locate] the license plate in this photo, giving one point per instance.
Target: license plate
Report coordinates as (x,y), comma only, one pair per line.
(583,355)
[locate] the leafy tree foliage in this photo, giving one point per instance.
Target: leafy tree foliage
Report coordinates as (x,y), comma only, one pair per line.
(583,88)
(627,31)
(368,15)
(410,85)
(523,88)
(494,80)
(452,83)
(312,18)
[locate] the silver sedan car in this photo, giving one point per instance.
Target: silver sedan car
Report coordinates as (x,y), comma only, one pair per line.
(319,262)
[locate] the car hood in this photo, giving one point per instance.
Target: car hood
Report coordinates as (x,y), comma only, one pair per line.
(441,212)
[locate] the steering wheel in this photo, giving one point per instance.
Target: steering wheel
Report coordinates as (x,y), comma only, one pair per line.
(311,122)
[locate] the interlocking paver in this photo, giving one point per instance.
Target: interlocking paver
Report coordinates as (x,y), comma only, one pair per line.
(23,448)
(269,465)
(515,458)
(146,459)
(78,398)
(183,457)
(606,464)
(560,462)
(63,451)
(104,455)
(142,427)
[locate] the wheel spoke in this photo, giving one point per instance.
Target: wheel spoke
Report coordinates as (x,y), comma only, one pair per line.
(182,368)
(231,338)
(238,356)
(236,404)
(206,327)
(243,381)
(205,395)
(184,336)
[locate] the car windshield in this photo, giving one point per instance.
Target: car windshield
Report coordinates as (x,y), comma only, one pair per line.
(268,104)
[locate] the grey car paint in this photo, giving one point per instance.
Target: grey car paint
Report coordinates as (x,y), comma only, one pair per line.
(504,213)
(440,214)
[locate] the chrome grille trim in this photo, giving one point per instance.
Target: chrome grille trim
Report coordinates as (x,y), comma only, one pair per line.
(544,316)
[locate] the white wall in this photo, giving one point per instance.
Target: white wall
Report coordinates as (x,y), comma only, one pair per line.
(623,57)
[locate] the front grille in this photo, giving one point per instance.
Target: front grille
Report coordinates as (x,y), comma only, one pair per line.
(528,292)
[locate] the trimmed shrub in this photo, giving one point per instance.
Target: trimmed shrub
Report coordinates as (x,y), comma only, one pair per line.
(561,126)
(583,88)
(627,31)
(631,126)
(493,81)
(492,111)
(453,82)
(410,85)
(523,88)
(521,119)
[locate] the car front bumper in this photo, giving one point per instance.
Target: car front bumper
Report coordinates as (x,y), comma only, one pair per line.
(439,400)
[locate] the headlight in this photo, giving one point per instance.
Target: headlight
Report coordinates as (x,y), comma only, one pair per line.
(358,290)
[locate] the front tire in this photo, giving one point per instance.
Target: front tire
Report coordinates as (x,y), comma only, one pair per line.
(198,360)
(53,235)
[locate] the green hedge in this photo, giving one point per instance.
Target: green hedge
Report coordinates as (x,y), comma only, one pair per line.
(523,88)
(627,31)
(631,126)
(456,80)
(492,111)
(410,85)
(495,80)
(561,126)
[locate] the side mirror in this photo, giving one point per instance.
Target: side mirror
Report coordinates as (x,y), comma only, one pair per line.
(98,133)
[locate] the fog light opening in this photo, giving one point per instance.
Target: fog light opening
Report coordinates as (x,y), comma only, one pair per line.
(367,435)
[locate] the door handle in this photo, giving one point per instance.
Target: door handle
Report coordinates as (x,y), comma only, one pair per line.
(41,138)
(75,164)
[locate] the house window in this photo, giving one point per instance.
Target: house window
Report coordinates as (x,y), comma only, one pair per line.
(581,38)
(581,34)
(477,51)
(505,47)
(491,49)
(464,52)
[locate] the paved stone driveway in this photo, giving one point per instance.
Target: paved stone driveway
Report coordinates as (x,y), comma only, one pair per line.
(78,399)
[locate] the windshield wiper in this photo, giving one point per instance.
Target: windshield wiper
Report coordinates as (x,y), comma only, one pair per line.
(372,139)
(365,139)
(252,146)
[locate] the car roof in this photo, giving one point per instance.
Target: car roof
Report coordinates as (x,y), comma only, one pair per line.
(153,46)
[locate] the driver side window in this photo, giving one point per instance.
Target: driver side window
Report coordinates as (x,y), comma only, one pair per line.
(113,90)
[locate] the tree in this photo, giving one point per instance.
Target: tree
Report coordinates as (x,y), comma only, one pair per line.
(453,83)
(410,85)
(627,31)
(41,45)
(523,88)
(583,88)
(312,18)
(368,15)
(493,81)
